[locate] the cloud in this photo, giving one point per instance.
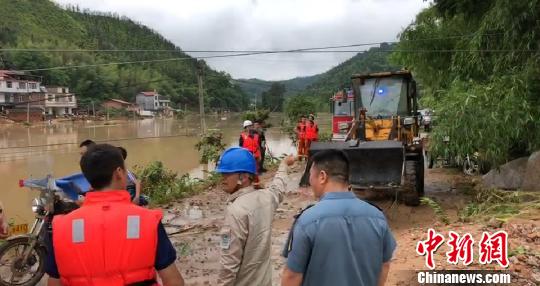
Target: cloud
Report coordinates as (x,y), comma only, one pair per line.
(267,25)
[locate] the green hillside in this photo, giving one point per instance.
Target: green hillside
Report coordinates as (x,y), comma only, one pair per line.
(374,60)
(255,87)
(42,24)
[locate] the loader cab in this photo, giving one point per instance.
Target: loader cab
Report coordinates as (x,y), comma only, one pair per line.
(389,103)
(343,107)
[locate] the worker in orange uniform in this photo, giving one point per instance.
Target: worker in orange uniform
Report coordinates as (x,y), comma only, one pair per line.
(312,132)
(250,140)
(109,241)
(301,138)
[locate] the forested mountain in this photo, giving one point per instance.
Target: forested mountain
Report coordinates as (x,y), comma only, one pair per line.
(41,24)
(376,59)
(322,86)
(254,87)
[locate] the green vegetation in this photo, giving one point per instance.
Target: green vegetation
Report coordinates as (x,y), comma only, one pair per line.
(274,98)
(163,185)
(437,209)
(261,115)
(255,87)
(483,84)
(41,24)
(325,136)
(500,205)
(299,105)
(210,147)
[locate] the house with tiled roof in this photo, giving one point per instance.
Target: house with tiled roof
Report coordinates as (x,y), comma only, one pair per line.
(152,101)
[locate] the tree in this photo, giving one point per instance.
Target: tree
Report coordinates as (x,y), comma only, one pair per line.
(273,98)
(297,106)
(483,82)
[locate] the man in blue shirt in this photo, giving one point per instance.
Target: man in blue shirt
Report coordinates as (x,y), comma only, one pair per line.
(341,240)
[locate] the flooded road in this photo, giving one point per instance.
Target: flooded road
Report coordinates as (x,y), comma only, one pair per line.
(56,150)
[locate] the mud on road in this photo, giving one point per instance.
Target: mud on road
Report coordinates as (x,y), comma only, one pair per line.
(196,238)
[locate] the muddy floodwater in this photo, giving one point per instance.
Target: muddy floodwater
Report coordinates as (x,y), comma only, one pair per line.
(34,152)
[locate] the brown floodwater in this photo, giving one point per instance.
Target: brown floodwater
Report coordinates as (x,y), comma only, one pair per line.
(54,150)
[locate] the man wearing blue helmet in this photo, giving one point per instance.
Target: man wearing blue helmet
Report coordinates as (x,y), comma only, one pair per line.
(246,233)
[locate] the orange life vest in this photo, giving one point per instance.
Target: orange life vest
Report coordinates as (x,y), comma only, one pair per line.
(251,144)
(107,242)
(301,128)
(311,131)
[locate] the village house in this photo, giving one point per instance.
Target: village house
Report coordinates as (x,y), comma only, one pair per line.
(152,101)
(14,86)
(23,97)
(59,101)
(120,104)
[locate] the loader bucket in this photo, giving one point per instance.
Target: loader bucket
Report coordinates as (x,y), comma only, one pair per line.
(373,164)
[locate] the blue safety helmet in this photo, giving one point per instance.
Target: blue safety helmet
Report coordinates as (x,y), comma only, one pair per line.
(236,160)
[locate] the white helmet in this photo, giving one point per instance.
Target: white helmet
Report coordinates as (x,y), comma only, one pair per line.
(247,123)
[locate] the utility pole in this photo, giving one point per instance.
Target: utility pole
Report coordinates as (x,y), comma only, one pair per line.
(186,119)
(93,110)
(28,113)
(200,68)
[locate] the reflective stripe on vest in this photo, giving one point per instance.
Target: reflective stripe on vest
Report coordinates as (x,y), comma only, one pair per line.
(133,229)
(77,231)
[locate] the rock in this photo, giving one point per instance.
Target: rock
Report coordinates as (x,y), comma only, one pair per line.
(531,179)
(533,261)
(532,236)
(495,223)
(508,177)
(513,260)
(536,277)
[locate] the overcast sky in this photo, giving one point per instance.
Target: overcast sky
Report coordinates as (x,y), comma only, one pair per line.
(267,25)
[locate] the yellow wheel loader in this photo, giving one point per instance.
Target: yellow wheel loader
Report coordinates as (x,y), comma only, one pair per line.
(376,124)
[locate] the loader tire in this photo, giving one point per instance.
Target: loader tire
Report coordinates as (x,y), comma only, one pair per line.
(413,187)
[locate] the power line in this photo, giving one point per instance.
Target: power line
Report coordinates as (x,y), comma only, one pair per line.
(266,53)
(299,50)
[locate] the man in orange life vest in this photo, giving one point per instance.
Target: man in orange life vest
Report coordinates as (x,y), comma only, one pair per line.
(301,137)
(250,140)
(312,132)
(109,241)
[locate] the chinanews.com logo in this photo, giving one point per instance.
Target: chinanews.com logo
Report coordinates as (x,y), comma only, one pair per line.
(492,249)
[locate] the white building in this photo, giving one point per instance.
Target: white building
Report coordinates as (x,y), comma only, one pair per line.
(14,84)
(152,101)
(59,101)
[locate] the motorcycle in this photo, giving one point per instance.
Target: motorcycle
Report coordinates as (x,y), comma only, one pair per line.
(24,255)
(471,165)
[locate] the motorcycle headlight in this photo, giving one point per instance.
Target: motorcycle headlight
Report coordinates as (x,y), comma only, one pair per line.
(37,206)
